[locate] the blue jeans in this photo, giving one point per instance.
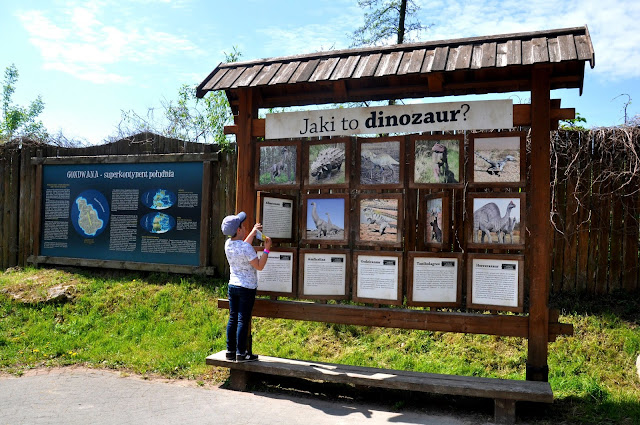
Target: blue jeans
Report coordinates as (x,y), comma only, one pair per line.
(240,306)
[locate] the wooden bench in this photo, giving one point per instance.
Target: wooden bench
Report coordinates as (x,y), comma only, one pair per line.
(504,392)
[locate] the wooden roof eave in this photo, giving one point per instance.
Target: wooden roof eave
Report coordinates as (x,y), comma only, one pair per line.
(411,86)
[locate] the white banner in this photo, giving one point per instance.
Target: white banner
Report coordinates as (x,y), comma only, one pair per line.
(416,118)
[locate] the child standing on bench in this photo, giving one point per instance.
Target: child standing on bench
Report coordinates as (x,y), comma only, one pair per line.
(244,264)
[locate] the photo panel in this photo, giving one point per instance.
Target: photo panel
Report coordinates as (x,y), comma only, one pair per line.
(325,219)
(324,274)
(497,159)
(327,163)
(434,279)
(379,163)
(378,278)
(277,165)
(436,161)
(278,278)
(497,220)
(277,214)
(379,219)
(495,282)
(435,219)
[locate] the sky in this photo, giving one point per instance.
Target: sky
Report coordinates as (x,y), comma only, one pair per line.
(91,60)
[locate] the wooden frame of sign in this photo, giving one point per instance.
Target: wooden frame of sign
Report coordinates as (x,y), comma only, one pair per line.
(270,148)
(445,173)
(277,234)
(323,206)
(377,224)
(482,302)
(440,229)
(380,156)
(327,176)
(441,275)
(328,256)
(486,150)
(476,238)
(376,277)
(277,254)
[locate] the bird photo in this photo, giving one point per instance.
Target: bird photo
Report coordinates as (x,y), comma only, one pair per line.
(380,163)
(496,159)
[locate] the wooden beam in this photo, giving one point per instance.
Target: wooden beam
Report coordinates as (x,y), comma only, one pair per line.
(257,128)
(521,118)
(245,195)
(540,246)
(126,159)
(503,325)
(436,80)
(124,265)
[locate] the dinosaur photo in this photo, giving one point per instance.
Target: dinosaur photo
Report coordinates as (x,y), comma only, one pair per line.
(496,159)
(489,221)
(319,228)
(380,163)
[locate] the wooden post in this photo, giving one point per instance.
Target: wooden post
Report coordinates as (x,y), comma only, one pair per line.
(245,193)
(539,225)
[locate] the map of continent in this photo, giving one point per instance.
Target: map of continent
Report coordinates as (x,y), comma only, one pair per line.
(88,218)
(90,213)
(158,199)
(161,200)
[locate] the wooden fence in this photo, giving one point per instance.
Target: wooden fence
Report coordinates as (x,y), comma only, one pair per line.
(596,202)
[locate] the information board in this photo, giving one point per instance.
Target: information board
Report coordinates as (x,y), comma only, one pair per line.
(145,212)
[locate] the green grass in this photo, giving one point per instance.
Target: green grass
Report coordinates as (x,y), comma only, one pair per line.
(159,324)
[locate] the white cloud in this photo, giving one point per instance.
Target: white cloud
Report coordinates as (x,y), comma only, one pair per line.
(613,27)
(76,41)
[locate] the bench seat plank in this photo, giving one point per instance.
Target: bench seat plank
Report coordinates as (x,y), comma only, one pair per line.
(502,389)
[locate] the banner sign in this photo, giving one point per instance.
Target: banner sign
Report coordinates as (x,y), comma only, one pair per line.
(146,213)
(415,118)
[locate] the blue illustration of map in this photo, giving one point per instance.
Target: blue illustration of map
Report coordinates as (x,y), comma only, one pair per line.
(90,213)
(157,222)
(159,199)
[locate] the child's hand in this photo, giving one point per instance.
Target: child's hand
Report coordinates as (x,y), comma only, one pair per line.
(256,227)
(267,243)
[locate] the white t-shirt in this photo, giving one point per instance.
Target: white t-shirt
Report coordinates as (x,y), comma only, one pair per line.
(239,254)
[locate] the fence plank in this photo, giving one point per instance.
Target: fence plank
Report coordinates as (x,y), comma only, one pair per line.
(630,260)
(3,179)
(14,201)
(571,233)
(559,216)
(596,223)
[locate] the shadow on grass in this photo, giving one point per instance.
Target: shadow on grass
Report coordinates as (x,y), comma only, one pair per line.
(624,305)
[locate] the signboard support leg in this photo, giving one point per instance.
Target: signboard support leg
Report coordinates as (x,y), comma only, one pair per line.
(540,240)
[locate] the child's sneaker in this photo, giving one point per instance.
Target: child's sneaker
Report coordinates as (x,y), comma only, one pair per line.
(246,357)
(231,355)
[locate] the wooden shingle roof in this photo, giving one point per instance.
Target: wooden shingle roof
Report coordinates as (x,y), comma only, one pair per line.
(500,63)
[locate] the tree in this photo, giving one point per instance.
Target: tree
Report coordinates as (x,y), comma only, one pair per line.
(575,124)
(386,20)
(187,117)
(17,121)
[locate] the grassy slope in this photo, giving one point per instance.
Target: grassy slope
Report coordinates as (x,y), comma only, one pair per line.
(166,325)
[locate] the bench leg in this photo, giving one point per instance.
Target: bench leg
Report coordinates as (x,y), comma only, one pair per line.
(238,379)
(504,411)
